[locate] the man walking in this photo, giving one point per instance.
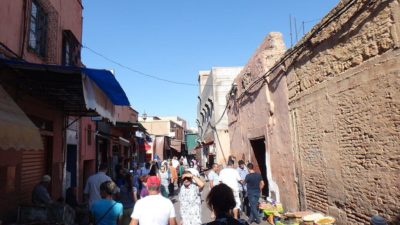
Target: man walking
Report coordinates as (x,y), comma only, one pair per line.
(255,184)
(92,188)
(153,209)
(231,177)
(243,171)
(213,176)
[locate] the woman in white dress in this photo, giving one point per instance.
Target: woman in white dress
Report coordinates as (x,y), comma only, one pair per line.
(164,177)
(189,198)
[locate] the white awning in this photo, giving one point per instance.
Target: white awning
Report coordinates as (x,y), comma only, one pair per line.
(124,142)
(96,100)
(17,130)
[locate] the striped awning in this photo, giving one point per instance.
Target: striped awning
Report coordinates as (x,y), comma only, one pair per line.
(18,131)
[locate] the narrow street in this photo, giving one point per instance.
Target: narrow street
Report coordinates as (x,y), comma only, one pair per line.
(304,94)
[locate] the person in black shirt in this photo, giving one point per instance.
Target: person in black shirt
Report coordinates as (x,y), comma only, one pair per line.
(255,184)
(221,201)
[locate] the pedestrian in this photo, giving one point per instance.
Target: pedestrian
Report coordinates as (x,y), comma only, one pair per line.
(175,162)
(231,177)
(154,209)
(213,176)
(120,176)
(255,184)
(144,191)
(233,159)
(92,188)
(192,169)
(136,174)
(243,171)
(190,199)
(221,201)
(128,198)
(40,194)
(174,178)
(153,169)
(181,169)
(106,211)
(165,179)
(145,170)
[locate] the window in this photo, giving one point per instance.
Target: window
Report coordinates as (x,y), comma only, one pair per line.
(71,49)
(38,29)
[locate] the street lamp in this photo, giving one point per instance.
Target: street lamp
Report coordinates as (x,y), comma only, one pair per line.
(144,116)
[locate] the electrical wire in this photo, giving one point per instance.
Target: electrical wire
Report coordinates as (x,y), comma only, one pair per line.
(143,73)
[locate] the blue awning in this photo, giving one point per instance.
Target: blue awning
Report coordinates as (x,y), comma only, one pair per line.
(104,79)
(73,90)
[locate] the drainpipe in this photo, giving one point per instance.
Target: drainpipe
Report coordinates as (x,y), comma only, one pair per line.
(97,146)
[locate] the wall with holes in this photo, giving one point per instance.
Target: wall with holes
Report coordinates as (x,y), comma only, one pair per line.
(344,92)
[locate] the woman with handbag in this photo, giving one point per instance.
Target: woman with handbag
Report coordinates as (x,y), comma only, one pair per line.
(106,211)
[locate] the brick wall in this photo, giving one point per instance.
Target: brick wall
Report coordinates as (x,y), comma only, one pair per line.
(344,88)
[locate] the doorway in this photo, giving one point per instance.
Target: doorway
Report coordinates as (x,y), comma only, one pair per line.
(71,165)
(258,146)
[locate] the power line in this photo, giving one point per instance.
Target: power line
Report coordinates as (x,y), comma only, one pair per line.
(143,73)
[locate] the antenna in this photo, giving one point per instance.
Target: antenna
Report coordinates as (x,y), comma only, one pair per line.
(295,27)
(291,34)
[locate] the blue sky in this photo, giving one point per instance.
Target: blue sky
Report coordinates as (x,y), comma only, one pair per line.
(174,39)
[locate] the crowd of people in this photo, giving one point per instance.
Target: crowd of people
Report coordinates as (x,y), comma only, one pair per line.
(143,195)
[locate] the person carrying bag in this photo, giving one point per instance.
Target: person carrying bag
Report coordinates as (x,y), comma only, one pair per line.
(106,211)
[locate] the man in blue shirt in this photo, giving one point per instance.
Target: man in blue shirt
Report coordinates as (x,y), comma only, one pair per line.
(106,211)
(40,194)
(255,184)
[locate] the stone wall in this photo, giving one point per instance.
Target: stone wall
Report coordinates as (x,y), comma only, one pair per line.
(260,114)
(344,91)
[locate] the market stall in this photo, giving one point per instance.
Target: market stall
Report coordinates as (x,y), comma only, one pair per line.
(275,214)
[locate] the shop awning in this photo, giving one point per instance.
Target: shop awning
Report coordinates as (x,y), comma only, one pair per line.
(73,90)
(124,142)
(17,131)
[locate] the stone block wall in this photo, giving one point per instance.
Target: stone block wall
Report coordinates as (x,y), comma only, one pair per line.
(260,113)
(344,91)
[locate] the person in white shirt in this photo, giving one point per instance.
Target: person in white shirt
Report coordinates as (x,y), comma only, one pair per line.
(92,188)
(213,176)
(243,171)
(231,178)
(154,209)
(175,162)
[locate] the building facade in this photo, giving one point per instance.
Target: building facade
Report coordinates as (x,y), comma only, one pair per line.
(37,31)
(331,101)
(169,135)
(44,84)
(212,120)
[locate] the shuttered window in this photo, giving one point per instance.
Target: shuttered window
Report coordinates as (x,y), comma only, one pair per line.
(38,29)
